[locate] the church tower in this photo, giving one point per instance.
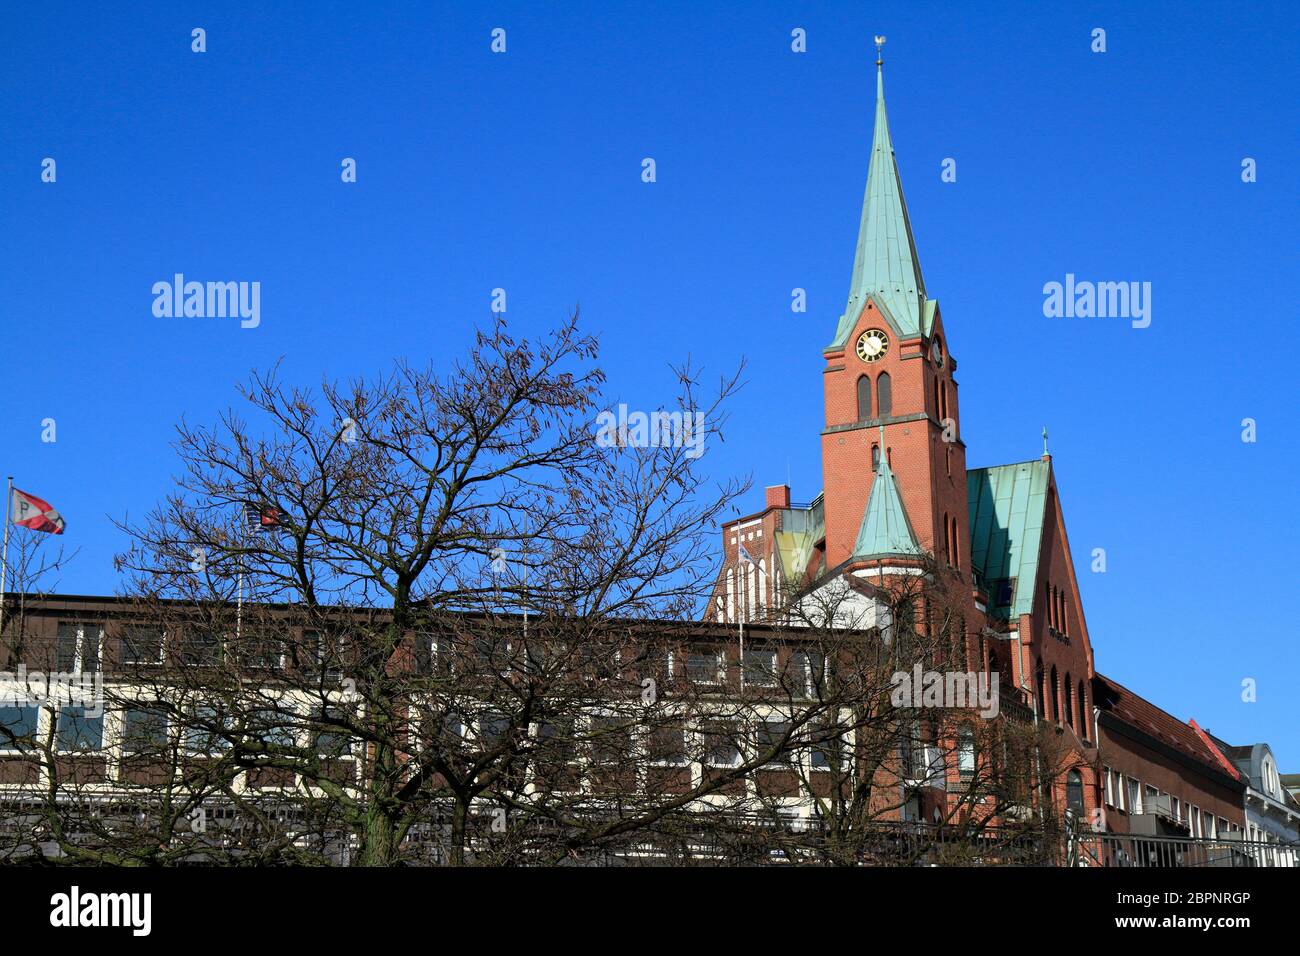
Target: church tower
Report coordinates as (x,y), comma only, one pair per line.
(893,463)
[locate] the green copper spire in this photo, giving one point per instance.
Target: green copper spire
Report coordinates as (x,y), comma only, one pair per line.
(885,528)
(885,267)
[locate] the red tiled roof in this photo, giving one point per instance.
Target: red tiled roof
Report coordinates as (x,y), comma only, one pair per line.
(1165,727)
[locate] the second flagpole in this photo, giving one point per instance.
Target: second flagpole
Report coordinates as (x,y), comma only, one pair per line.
(4,561)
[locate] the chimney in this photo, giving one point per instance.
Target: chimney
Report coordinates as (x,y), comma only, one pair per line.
(778,496)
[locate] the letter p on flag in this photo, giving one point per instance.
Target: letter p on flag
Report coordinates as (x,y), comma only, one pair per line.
(28,511)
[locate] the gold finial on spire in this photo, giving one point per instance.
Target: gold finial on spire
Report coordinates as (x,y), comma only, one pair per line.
(880,41)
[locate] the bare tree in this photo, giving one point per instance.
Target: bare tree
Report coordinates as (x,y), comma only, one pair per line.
(400,524)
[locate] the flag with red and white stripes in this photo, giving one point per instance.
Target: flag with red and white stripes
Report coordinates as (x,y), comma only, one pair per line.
(28,511)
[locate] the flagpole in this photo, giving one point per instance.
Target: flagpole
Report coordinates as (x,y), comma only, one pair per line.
(740,616)
(239,601)
(4,562)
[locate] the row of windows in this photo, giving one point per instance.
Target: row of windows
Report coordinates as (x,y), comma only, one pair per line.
(80,648)
(1126,793)
(884,397)
(884,393)
(1057,698)
(940,399)
(799,672)
(143,729)
(1057,606)
(951,541)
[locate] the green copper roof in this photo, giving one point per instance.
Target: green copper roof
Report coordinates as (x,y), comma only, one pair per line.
(885,267)
(1007,513)
(885,528)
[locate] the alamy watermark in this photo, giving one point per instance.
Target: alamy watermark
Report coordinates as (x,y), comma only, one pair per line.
(624,429)
(954,689)
(208,300)
(23,688)
(1101,300)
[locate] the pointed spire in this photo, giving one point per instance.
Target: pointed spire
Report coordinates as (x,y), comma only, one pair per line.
(885,265)
(885,528)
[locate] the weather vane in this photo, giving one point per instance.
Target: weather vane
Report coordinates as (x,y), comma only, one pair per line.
(880,41)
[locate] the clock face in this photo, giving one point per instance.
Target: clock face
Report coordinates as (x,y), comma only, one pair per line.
(936,352)
(872,345)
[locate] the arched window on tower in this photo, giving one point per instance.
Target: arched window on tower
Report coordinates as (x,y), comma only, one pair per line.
(938,403)
(1085,714)
(864,398)
(1069,702)
(1040,679)
(875,457)
(884,396)
(947,539)
(943,395)
(1056,707)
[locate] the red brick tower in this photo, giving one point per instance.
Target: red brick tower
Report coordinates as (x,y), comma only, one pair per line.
(888,372)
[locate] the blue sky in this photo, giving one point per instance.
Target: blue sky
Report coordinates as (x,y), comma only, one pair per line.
(522,171)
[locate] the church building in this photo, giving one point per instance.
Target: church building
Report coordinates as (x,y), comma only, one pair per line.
(898,497)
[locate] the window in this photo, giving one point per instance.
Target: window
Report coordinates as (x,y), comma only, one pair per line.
(1056,713)
(78,731)
(1069,701)
(492,731)
(555,747)
(78,648)
(1109,795)
(273,728)
(807,674)
(611,741)
(69,636)
(770,734)
(208,732)
(760,666)
(142,645)
(966,752)
(144,729)
(827,747)
(1074,792)
(884,396)
(864,398)
(200,646)
(1085,713)
(262,651)
(668,744)
(947,539)
(18,726)
(704,667)
(1134,795)
(721,748)
(875,457)
(331,740)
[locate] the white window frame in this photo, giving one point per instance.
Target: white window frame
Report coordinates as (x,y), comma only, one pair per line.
(36,730)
